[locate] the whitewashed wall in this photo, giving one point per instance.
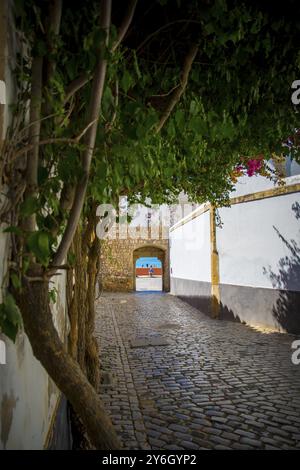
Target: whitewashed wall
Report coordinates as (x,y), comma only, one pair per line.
(28,397)
(190,271)
(249,243)
(259,258)
(190,250)
(249,185)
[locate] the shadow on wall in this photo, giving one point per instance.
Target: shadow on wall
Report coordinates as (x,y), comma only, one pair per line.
(287,308)
(228,314)
(204,304)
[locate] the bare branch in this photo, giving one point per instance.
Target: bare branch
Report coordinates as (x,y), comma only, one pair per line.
(109,125)
(54,140)
(55,9)
(165,94)
(66,118)
(125,24)
(52,30)
(174,99)
(12,198)
(76,84)
(83,79)
(162,28)
(66,197)
(90,138)
(63,266)
(21,134)
(34,134)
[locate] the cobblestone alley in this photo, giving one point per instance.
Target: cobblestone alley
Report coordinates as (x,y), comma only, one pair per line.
(176,379)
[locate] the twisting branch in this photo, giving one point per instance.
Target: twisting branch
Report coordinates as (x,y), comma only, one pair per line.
(54,140)
(12,198)
(52,31)
(83,79)
(75,85)
(89,141)
(161,29)
(125,24)
(109,125)
(55,10)
(174,99)
(165,94)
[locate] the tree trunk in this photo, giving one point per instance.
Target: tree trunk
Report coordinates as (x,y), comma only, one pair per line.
(92,352)
(62,368)
(81,303)
(80,295)
(72,310)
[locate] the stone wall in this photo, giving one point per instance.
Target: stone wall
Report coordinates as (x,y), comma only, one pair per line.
(118,257)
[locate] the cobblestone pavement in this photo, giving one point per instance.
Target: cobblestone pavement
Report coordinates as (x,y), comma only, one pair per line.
(216,385)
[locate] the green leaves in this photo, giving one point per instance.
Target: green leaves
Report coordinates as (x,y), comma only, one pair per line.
(198,125)
(71,258)
(94,39)
(237,101)
(15,280)
(40,48)
(10,317)
(136,66)
(38,243)
(107,101)
(179,118)
(126,81)
(194,108)
(53,295)
(29,206)
(143,127)
(13,229)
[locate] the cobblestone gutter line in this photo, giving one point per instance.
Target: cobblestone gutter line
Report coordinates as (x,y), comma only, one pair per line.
(118,390)
(138,425)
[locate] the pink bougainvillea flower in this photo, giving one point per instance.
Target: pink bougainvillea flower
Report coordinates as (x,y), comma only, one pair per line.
(253,166)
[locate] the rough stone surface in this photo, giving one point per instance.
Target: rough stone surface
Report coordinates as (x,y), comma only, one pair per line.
(118,257)
(216,385)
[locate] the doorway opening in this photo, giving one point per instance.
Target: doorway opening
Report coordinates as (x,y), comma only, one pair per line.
(158,280)
(148,274)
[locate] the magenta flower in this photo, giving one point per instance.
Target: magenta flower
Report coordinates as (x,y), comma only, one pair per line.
(253,166)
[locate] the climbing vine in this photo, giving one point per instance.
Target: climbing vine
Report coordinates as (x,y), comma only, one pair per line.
(135,101)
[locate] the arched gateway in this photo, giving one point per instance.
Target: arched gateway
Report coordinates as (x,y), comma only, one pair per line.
(118,259)
(152,251)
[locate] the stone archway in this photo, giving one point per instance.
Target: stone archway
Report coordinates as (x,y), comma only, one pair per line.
(118,257)
(157,252)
